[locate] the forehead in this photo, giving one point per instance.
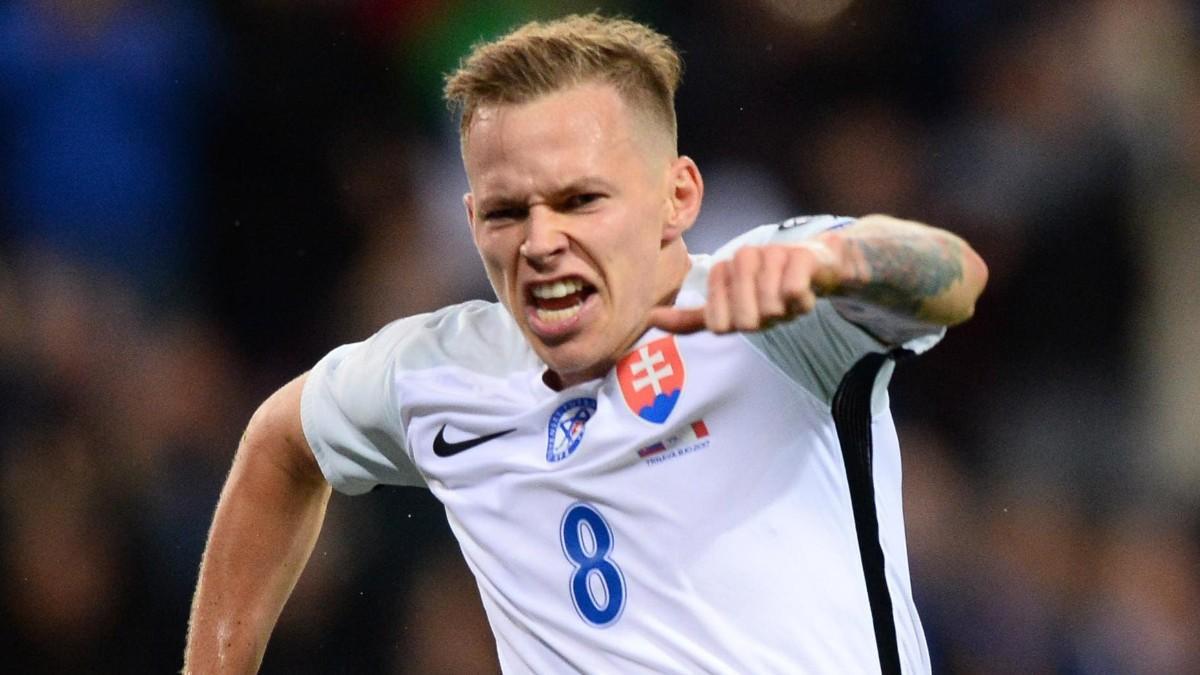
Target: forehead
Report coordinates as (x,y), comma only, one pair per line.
(588,127)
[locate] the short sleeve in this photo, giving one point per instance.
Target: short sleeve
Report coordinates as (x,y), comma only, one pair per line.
(351,419)
(892,329)
(817,349)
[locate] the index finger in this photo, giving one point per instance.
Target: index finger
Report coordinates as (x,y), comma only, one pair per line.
(678,321)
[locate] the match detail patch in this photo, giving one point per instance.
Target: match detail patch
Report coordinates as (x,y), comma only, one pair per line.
(689,439)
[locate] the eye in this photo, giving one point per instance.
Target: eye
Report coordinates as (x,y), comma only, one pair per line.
(581,200)
(504,214)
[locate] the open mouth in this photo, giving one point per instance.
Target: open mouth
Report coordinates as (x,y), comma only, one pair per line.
(560,300)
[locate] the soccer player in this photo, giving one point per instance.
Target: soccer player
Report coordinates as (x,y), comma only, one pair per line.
(653,461)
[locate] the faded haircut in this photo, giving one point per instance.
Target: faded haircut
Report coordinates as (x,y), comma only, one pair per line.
(539,58)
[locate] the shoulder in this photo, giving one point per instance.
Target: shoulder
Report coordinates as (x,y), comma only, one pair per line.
(798,228)
(476,335)
(793,229)
(355,384)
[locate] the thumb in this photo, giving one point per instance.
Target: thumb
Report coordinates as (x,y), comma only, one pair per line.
(675,320)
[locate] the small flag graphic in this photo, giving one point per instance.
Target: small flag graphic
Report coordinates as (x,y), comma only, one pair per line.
(692,433)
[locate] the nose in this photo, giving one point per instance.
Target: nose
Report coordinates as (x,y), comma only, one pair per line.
(545,238)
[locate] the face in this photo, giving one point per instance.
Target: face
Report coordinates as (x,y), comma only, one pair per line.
(577,205)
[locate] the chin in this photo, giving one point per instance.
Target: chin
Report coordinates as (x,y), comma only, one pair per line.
(573,365)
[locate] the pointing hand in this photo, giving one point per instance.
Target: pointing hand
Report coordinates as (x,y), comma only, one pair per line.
(760,286)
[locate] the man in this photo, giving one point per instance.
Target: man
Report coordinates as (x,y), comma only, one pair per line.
(653,462)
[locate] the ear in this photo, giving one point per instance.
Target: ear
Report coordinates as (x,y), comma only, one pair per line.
(469,203)
(687,191)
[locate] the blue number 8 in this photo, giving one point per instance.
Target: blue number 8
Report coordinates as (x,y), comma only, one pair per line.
(598,603)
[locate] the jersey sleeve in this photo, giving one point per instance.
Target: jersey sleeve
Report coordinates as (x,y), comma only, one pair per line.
(817,349)
(351,420)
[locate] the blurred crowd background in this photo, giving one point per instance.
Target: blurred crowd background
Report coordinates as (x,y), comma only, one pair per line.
(199,199)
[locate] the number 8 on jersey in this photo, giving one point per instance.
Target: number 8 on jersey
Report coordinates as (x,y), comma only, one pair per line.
(597,586)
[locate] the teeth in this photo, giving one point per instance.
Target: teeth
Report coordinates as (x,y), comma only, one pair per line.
(557,289)
(555,315)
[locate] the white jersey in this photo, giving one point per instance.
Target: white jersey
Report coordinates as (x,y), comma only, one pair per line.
(688,512)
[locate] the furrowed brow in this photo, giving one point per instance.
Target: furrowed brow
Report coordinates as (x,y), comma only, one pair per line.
(581,185)
(500,202)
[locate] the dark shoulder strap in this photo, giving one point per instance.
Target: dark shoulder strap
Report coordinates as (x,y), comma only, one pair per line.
(852,417)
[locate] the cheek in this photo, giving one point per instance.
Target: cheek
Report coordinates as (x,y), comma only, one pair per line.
(497,259)
(633,256)
(495,273)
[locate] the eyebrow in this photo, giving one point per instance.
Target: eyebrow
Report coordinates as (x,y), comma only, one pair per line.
(499,203)
(580,185)
(585,184)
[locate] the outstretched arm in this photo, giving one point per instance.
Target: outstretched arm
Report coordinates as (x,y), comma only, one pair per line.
(266,525)
(913,270)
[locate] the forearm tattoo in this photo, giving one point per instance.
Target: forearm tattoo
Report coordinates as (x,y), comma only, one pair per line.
(902,273)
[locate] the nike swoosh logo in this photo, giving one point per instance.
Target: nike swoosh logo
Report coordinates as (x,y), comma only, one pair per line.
(444,448)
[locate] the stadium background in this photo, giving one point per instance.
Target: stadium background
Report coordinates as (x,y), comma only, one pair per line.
(197,200)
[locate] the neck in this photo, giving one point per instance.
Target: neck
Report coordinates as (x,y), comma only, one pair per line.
(671,271)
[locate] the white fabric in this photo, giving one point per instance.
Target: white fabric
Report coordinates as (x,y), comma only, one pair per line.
(732,540)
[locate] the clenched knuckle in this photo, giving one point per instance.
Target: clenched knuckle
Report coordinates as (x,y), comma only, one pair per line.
(747,323)
(795,285)
(746,257)
(718,274)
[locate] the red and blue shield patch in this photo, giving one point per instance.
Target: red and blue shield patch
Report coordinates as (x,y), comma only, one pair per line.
(651,379)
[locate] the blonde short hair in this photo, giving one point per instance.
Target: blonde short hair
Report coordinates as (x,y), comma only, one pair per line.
(540,58)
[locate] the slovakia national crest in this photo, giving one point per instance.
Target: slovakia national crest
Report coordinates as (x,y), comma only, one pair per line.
(651,379)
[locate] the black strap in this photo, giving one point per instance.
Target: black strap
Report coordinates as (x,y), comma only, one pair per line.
(852,417)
